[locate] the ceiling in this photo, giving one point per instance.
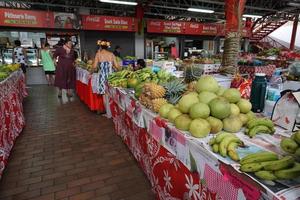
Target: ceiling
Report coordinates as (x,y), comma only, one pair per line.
(163,9)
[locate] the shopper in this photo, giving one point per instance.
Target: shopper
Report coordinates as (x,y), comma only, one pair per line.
(65,69)
(107,63)
(48,64)
(19,55)
(140,64)
(117,51)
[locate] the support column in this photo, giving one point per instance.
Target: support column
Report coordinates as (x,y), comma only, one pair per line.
(294,32)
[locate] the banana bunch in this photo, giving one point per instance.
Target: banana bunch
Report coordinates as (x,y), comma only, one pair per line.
(225,144)
(259,125)
(267,166)
(119,79)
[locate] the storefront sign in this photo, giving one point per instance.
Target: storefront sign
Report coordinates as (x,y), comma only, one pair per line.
(65,20)
(188,28)
(160,26)
(108,23)
(26,18)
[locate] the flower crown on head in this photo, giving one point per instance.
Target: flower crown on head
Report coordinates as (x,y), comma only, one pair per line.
(103,43)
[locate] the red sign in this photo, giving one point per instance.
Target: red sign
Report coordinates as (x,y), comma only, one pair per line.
(188,28)
(26,18)
(108,23)
(161,26)
(202,29)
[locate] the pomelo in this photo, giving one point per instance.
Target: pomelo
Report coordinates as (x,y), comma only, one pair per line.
(207,83)
(244,105)
(182,122)
(199,128)
(206,97)
(199,110)
(233,95)
(232,124)
(219,108)
(234,109)
(186,102)
(173,113)
(215,124)
(165,109)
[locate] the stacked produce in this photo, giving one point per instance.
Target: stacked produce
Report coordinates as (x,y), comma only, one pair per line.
(7,69)
(209,110)
(268,166)
(131,79)
(225,144)
(87,66)
(292,145)
(153,96)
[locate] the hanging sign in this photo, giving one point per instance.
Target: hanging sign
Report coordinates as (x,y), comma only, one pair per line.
(26,18)
(108,23)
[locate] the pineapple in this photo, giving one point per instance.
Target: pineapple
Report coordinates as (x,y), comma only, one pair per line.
(154,91)
(192,86)
(174,90)
(192,73)
(145,100)
(157,103)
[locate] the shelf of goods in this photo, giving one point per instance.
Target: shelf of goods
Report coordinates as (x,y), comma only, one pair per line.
(86,92)
(12,121)
(180,166)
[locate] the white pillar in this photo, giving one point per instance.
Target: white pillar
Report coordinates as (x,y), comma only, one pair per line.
(139,45)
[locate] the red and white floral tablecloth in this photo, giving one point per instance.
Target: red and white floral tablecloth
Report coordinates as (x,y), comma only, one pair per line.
(179,166)
(12,120)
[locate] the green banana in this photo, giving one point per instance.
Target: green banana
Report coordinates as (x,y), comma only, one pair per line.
(222,135)
(215,148)
(251,167)
(259,129)
(283,163)
(266,175)
(260,121)
(290,173)
(224,144)
(259,157)
(212,141)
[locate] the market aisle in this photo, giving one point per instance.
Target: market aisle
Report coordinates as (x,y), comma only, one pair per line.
(68,152)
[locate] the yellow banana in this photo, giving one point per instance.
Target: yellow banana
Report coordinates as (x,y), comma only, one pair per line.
(215,148)
(222,135)
(224,144)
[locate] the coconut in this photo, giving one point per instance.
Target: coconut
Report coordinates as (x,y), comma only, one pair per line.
(207,83)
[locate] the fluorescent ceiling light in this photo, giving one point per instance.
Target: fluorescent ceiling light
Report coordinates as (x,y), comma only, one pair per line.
(252,16)
(200,10)
(131,3)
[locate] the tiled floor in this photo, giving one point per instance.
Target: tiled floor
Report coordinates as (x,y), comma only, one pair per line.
(67,152)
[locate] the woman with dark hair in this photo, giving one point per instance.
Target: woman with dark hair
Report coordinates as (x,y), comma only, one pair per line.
(65,70)
(19,55)
(106,62)
(48,65)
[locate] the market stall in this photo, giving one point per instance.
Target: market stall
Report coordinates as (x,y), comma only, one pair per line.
(12,120)
(180,166)
(86,92)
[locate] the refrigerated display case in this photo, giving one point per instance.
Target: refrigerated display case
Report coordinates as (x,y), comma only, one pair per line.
(7,56)
(32,56)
